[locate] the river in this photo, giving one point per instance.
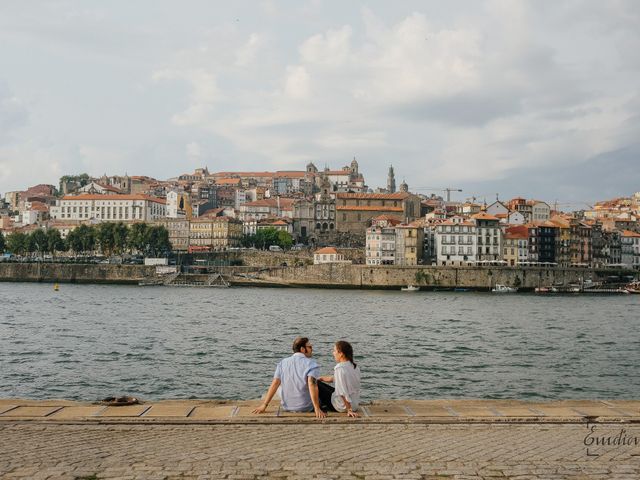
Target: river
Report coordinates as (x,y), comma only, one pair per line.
(87,342)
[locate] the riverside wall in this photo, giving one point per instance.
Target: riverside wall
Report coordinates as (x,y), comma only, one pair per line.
(328,275)
(74,273)
(362,276)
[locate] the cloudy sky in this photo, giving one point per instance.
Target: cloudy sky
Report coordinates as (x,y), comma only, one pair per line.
(539,98)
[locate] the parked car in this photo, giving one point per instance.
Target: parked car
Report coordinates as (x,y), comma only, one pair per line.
(275,248)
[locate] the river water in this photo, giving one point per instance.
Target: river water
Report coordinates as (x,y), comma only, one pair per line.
(87,342)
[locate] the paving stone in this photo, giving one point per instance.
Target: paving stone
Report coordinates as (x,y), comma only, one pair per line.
(77,412)
(169,411)
(37,411)
(124,411)
(213,413)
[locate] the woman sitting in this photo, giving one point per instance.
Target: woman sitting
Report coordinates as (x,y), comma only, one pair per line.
(345,396)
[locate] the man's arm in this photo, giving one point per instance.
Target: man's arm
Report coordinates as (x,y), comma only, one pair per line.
(313,391)
(273,388)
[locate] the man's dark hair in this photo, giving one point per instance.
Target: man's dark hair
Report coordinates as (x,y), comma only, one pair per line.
(298,343)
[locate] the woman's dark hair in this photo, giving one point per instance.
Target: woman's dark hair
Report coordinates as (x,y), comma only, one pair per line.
(346,349)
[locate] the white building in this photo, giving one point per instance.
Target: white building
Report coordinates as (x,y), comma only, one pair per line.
(328,255)
(515,218)
(110,208)
(456,242)
(630,246)
(497,208)
(177,203)
(381,241)
(540,211)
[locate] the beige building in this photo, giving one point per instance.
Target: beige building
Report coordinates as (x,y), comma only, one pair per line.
(409,244)
(328,255)
(214,233)
(179,230)
(354,211)
(516,245)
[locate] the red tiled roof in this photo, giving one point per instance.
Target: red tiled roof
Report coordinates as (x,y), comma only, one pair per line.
(629,233)
(114,197)
(365,208)
(484,216)
(228,181)
(325,251)
(373,196)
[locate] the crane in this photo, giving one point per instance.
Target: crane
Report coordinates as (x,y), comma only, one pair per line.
(447,189)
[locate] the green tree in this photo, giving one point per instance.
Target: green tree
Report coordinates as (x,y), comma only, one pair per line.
(137,238)
(82,180)
(265,237)
(120,237)
(37,241)
(17,243)
(157,241)
(2,242)
(284,240)
(106,236)
(87,238)
(54,241)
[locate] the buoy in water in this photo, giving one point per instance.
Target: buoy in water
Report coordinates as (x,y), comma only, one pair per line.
(55,287)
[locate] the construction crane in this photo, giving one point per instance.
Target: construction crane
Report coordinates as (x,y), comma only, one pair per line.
(447,189)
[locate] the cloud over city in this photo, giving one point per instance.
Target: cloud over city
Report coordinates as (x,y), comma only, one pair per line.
(476,95)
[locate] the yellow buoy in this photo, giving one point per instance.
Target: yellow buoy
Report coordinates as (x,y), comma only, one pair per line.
(55,287)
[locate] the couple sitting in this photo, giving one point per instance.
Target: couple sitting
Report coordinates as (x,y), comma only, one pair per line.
(303,389)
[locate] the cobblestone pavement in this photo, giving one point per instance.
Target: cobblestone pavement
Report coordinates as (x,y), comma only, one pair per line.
(37,450)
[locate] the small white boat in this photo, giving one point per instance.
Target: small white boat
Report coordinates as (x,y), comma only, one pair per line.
(503,289)
(410,288)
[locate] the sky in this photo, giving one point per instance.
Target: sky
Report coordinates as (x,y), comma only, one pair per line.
(535,98)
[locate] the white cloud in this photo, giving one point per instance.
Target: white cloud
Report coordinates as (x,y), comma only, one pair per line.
(331,49)
(297,82)
(247,53)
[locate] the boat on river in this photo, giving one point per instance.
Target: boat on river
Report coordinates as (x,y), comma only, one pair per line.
(410,288)
(499,288)
(633,287)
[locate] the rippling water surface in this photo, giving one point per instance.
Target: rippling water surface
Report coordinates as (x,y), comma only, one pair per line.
(89,341)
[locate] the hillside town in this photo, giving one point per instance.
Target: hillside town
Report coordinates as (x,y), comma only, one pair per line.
(327,210)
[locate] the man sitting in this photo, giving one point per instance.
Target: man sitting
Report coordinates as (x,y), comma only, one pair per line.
(297,376)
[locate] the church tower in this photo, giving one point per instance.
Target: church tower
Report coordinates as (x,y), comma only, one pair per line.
(391,181)
(404,187)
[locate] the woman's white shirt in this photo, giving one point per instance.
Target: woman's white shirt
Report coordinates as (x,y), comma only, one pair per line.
(346,381)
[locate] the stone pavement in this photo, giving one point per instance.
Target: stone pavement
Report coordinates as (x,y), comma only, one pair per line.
(394,441)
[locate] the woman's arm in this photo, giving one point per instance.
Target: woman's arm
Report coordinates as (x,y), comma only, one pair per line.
(350,412)
(326,378)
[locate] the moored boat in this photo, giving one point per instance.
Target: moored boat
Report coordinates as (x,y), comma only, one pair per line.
(503,289)
(633,287)
(410,288)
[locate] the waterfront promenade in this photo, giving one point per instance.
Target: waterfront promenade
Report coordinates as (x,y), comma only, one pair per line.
(439,439)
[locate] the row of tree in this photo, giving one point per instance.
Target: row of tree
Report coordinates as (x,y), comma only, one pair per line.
(266,237)
(107,238)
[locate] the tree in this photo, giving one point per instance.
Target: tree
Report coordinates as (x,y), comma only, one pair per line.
(265,237)
(284,240)
(87,238)
(17,243)
(2,242)
(37,241)
(54,241)
(120,237)
(157,241)
(137,238)
(106,236)
(82,180)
